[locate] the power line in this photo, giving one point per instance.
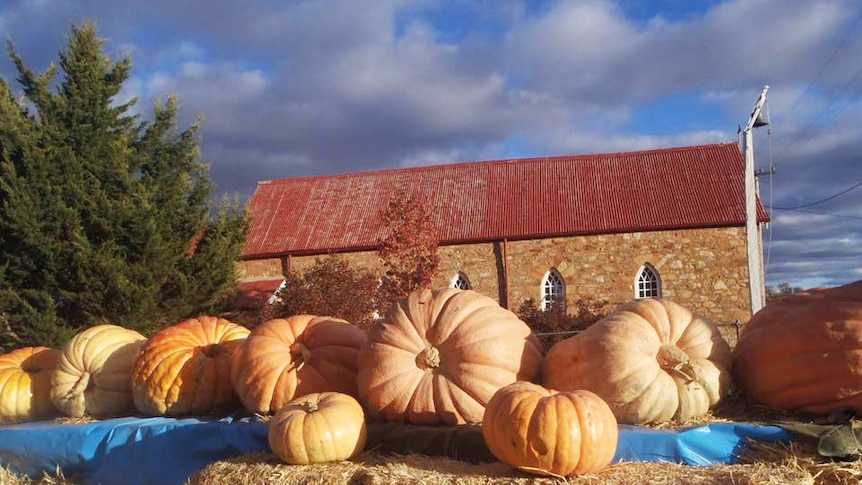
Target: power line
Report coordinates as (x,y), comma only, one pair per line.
(838,47)
(825,199)
(819,213)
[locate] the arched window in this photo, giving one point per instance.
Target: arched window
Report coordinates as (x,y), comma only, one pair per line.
(461,281)
(553,290)
(647,282)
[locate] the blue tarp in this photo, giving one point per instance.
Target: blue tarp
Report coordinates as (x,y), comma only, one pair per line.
(166,451)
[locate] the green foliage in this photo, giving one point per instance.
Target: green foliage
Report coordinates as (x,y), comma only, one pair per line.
(408,250)
(330,287)
(555,324)
(98,209)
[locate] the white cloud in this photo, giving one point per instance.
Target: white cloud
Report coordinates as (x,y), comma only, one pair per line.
(291,88)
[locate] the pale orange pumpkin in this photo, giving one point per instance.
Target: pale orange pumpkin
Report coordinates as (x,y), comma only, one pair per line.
(184,369)
(804,351)
(440,355)
(318,428)
(303,354)
(25,383)
(651,360)
(93,372)
(546,432)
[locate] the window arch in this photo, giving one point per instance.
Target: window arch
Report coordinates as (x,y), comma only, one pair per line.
(460,281)
(647,282)
(553,290)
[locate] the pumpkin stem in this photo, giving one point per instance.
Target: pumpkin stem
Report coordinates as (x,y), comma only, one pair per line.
(299,354)
(78,389)
(428,359)
(674,361)
(309,406)
(211,350)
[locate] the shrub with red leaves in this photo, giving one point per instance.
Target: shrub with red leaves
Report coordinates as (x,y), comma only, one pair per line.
(555,324)
(329,287)
(408,248)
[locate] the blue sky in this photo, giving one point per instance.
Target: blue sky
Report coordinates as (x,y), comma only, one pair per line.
(289,88)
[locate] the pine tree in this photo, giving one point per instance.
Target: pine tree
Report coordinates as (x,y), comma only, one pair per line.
(103,217)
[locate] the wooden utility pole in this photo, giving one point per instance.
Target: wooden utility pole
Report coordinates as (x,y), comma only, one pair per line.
(756,281)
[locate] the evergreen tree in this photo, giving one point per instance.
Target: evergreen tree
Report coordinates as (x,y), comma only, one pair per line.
(103,217)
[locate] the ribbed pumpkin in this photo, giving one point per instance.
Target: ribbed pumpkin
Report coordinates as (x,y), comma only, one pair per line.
(651,360)
(804,351)
(440,355)
(318,428)
(303,354)
(184,369)
(93,372)
(546,432)
(25,383)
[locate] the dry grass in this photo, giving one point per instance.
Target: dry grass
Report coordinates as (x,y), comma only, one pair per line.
(772,464)
(57,478)
(794,463)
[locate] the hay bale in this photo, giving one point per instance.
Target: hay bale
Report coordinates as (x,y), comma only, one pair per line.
(762,464)
(7,477)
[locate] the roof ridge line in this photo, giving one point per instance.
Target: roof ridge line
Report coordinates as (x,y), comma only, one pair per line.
(419,168)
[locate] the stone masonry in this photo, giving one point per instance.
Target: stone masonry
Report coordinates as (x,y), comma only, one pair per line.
(704,270)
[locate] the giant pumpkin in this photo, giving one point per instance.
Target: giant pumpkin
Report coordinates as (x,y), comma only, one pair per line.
(25,383)
(93,372)
(184,369)
(440,355)
(303,354)
(804,351)
(651,360)
(546,432)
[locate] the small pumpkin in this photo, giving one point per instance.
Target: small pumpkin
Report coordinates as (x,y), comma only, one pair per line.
(185,368)
(317,428)
(93,372)
(25,383)
(804,351)
(302,354)
(546,432)
(651,360)
(440,355)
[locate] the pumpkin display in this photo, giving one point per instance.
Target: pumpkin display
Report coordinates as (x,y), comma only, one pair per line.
(185,368)
(546,432)
(317,428)
(440,355)
(93,372)
(25,383)
(804,351)
(302,354)
(651,360)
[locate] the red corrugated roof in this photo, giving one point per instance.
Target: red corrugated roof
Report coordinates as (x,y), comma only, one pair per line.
(671,188)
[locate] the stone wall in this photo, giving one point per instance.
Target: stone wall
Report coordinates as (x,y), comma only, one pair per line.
(704,270)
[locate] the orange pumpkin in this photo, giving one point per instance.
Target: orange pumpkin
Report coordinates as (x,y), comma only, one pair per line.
(804,351)
(546,432)
(651,360)
(93,372)
(318,428)
(25,383)
(184,369)
(439,356)
(303,354)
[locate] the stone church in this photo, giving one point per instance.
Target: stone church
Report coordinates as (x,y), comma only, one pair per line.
(667,222)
